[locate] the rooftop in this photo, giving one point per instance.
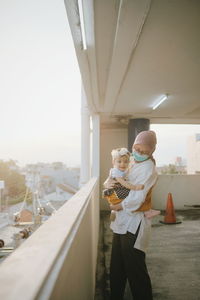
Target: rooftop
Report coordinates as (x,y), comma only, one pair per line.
(173,258)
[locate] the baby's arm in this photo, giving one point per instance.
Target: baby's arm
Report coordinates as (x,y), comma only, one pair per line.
(110,182)
(128,185)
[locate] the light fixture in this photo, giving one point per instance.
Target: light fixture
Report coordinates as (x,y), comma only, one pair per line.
(161,100)
(80,8)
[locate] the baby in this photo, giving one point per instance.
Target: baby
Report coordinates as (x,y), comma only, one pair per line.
(120,160)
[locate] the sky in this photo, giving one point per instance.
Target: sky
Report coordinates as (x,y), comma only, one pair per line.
(39,84)
(172,141)
(40,89)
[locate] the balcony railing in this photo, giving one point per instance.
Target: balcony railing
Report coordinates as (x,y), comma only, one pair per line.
(59,260)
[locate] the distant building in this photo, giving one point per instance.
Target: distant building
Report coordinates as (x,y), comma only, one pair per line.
(46,177)
(193,154)
(178,161)
(24,216)
(178,167)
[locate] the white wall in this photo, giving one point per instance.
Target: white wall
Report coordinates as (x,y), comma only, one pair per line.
(184,189)
(193,155)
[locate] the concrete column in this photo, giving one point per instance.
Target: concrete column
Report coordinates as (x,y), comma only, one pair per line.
(95,145)
(85,140)
(135,126)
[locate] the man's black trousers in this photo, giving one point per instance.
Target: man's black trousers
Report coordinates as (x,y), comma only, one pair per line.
(128,263)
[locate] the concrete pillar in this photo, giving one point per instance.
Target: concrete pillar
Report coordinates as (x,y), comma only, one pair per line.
(85,140)
(95,145)
(135,126)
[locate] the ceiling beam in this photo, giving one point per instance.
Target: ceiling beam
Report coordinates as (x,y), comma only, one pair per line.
(86,58)
(131,14)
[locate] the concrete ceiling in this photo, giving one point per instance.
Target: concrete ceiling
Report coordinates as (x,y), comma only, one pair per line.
(138,50)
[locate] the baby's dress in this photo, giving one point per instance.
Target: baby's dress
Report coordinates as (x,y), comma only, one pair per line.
(119,192)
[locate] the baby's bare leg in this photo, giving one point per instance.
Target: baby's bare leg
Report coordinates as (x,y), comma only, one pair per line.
(149,214)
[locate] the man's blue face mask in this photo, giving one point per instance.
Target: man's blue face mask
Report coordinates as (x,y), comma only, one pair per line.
(139,157)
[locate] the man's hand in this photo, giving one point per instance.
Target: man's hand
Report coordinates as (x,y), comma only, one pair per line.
(116,207)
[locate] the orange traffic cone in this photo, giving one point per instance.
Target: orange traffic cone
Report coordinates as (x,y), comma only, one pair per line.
(170,217)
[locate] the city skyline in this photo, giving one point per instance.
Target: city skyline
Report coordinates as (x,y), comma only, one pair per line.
(172,143)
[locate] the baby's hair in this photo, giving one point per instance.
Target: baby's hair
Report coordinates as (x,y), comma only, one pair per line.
(120,152)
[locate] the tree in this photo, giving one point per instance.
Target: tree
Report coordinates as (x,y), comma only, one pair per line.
(170,169)
(14,181)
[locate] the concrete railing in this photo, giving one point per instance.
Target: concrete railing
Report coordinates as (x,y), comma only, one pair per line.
(59,260)
(184,189)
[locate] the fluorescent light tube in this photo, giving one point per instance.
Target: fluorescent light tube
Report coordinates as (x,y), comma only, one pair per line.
(164,97)
(80,8)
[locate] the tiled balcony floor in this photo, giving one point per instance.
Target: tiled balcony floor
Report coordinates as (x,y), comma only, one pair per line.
(173,258)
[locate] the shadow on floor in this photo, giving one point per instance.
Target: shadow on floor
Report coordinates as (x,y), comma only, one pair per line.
(173,258)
